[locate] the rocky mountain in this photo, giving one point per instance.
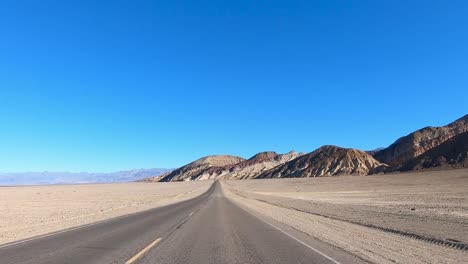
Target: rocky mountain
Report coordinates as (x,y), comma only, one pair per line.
(426,148)
(227,167)
(250,168)
(194,170)
(453,153)
(411,146)
(327,161)
(156,178)
(372,152)
(46,177)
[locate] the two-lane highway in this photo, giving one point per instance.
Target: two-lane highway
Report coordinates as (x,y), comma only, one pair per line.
(207,229)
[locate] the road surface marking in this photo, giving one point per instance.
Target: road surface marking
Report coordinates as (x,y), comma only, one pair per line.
(137,256)
(190,214)
(298,240)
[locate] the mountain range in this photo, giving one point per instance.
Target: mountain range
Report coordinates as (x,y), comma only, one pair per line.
(442,147)
(428,148)
(46,177)
(450,154)
(411,146)
(229,167)
(326,161)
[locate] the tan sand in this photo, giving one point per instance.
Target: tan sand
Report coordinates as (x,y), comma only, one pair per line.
(34,210)
(338,210)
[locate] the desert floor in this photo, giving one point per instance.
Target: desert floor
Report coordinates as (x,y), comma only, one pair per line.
(381,218)
(28,211)
(404,218)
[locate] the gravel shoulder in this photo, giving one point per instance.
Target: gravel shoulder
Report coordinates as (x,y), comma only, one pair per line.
(28,211)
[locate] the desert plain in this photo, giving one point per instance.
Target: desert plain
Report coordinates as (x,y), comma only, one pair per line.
(402,217)
(419,217)
(28,211)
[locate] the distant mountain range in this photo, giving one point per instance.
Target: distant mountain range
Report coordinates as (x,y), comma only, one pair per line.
(34,178)
(428,148)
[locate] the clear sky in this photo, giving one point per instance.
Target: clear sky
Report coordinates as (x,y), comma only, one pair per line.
(112,85)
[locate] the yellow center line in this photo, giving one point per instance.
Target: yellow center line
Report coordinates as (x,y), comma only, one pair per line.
(141,253)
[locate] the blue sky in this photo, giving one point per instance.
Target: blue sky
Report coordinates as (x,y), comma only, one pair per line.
(112,85)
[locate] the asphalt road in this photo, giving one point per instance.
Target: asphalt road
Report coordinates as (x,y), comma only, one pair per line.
(207,229)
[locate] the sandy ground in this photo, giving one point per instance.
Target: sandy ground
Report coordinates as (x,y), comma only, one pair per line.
(34,210)
(340,211)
